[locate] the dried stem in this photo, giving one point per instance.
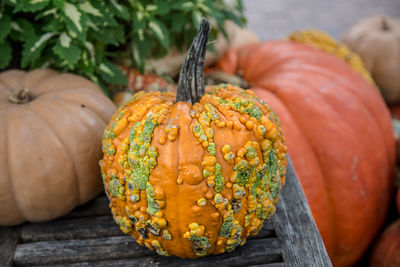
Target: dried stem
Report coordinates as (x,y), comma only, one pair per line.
(191,78)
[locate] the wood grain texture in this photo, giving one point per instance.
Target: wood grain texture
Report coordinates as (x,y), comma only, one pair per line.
(255,252)
(64,229)
(9,237)
(295,227)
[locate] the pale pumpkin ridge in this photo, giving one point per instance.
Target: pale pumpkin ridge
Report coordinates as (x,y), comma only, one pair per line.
(48,95)
(77,103)
(76,178)
(7,150)
(85,124)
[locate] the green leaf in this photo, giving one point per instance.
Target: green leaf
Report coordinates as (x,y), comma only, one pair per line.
(178,22)
(22,30)
(160,8)
(111,73)
(98,12)
(33,48)
(183,5)
(139,21)
(196,18)
(119,10)
(30,5)
(5,26)
(67,51)
(5,54)
(140,50)
(113,35)
(160,32)
(76,20)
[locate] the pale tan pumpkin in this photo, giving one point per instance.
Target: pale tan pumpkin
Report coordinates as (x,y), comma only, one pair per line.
(51,126)
(377,41)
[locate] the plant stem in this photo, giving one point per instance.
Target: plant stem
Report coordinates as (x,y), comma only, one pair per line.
(191,78)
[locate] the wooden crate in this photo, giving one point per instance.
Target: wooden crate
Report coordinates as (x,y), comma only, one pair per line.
(88,236)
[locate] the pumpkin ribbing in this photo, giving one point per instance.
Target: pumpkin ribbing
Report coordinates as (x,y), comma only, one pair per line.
(193,179)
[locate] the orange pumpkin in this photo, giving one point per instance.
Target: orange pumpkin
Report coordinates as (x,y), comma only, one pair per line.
(196,176)
(50,143)
(339,136)
(138,81)
(386,252)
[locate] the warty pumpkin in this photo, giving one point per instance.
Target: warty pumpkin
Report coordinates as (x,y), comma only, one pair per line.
(338,133)
(50,143)
(377,41)
(386,252)
(195,174)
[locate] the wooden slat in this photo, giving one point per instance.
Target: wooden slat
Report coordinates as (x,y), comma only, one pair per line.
(295,227)
(9,237)
(255,252)
(277,264)
(69,251)
(63,229)
(96,207)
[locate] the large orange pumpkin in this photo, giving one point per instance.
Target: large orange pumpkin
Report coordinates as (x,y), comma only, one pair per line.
(198,176)
(386,252)
(50,142)
(339,136)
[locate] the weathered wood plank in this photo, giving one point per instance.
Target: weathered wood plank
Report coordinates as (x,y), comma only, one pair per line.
(80,228)
(96,207)
(69,251)
(9,237)
(91,227)
(295,227)
(258,251)
(277,264)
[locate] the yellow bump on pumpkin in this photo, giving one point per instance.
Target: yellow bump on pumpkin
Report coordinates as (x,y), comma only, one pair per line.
(236,126)
(187,235)
(202,202)
(162,140)
(242,119)
(220,241)
(220,124)
(205,144)
(215,215)
(226,149)
(193,226)
(229,124)
(228,185)
(230,157)
(249,125)
(209,161)
(179,180)
(211,181)
(218,198)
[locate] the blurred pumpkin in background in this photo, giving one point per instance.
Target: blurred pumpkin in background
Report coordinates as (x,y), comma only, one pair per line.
(51,126)
(386,252)
(377,41)
(338,132)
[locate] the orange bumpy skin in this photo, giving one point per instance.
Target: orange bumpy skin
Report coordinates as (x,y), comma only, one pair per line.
(193,180)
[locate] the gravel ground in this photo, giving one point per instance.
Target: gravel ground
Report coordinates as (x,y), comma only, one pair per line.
(275,19)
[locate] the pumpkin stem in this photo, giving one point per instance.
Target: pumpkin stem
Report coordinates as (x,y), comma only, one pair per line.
(385,25)
(20,96)
(191,78)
